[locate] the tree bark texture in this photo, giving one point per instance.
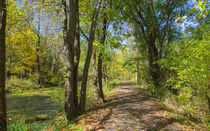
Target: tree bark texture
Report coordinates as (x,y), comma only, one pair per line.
(89,55)
(3,123)
(72,54)
(95,77)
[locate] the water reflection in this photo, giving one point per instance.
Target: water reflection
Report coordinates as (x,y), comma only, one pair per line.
(29,107)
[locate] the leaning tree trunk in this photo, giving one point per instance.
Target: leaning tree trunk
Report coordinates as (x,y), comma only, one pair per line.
(71,44)
(88,58)
(3,124)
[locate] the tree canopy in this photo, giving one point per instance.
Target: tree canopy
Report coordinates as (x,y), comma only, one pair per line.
(83,47)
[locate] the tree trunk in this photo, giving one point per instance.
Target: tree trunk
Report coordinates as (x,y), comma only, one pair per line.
(137,72)
(71,44)
(3,124)
(76,54)
(95,77)
(100,74)
(101,94)
(88,58)
(153,57)
(105,76)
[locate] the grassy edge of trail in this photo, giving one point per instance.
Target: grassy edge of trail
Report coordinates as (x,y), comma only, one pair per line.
(59,121)
(169,103)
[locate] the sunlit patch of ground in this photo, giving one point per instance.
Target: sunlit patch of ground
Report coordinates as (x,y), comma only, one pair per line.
(132,109)
(127,108)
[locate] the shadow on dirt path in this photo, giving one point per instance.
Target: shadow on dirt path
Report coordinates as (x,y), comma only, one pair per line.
(130,109)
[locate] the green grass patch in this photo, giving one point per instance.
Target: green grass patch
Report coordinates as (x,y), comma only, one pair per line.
(15,84)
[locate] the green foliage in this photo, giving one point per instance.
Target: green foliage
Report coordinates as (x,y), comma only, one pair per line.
(114,83)
(184,68)
(56,95)
(20,39)
(14,84)
(27,127)
(202,7)
(188,70)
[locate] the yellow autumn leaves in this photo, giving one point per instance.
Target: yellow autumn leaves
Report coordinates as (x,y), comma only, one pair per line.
(21,41)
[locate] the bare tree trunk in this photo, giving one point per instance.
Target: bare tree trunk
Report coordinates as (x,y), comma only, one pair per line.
(89,55)
(3,123)
(71,43)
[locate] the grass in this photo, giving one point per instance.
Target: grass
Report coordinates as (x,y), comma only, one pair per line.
(173,109)
(28,127)
(136,84)
(26,106)
(114,83)
(15,84)
(43,91)
(40,105)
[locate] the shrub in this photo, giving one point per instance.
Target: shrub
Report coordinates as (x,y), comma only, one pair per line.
(14,84)
(188,69)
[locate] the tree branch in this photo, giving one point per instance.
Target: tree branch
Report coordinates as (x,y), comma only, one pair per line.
(84,34)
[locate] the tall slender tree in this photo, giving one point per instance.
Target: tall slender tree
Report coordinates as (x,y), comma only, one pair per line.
(89,55)
(100,60)
(3,124)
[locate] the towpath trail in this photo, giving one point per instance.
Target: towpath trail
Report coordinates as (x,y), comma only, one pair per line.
(130,109)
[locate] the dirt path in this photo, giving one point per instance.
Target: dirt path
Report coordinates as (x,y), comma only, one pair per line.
(130,109)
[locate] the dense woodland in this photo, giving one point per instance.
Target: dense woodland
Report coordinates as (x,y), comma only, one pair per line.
(78,50)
